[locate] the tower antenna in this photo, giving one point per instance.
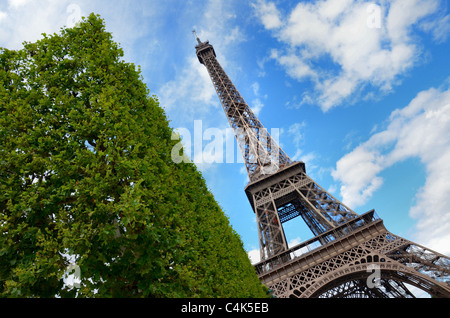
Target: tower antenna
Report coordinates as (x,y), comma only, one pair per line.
(196,36)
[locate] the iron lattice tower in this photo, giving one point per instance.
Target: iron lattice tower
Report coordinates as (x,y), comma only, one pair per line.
(347,247)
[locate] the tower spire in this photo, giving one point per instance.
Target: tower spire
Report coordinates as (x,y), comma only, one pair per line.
(196,36)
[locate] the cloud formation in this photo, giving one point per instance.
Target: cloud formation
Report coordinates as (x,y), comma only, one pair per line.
(420,130)
(360,43)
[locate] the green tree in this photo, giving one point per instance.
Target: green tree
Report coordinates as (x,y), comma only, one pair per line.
(86,176)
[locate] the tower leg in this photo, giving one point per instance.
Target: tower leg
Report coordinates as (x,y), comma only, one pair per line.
(351,261)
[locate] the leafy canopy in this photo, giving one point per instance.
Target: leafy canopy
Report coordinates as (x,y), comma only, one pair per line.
(86,177)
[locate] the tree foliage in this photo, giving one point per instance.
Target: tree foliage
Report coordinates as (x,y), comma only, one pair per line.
(86,176)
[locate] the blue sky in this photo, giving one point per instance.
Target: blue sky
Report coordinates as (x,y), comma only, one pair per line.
(359,90)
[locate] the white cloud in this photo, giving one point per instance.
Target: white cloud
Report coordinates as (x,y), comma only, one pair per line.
(296,131)
(3,16)
(18,3)
(269,14)
(27,20)
(366,44)
(255,87)
(296,135)
(295,66)
(357,172)
(257,106)
(193,86)
(420,130)
(439,28)
(403,14)
(254,256)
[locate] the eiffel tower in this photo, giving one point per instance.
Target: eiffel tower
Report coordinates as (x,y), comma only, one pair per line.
(351,255)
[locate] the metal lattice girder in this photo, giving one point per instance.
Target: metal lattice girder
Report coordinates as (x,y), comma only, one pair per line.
(262,155)
(359,289)
(288,194)
(313,269)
